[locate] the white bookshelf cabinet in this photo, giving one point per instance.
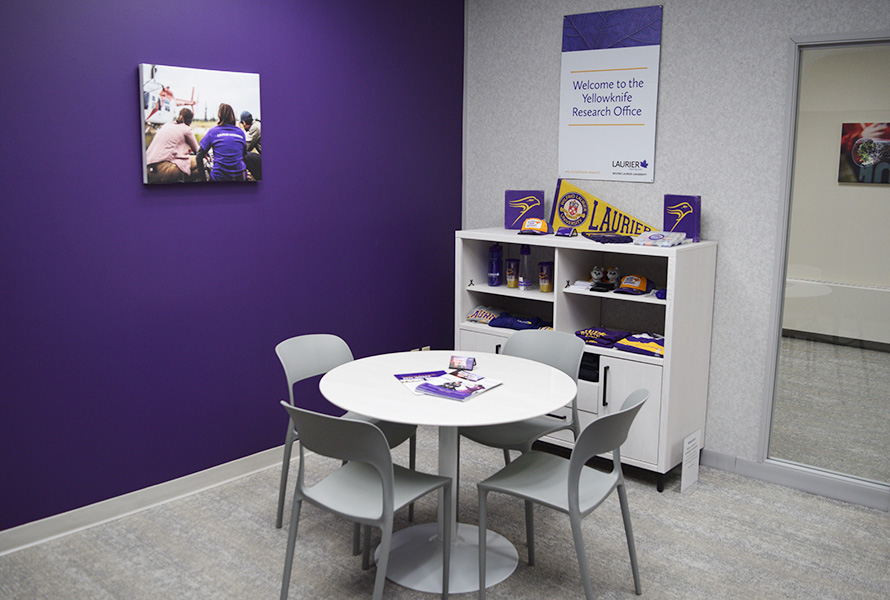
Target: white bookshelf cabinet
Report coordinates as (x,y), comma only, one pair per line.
(678,382)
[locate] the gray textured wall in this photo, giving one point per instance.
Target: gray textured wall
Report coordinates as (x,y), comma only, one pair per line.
(721,134)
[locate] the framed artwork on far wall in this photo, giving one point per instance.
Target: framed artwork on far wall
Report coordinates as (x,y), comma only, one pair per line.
(865,153)
(199,125)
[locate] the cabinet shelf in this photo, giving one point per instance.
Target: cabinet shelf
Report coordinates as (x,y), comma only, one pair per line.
(482,328)
(677,382)
(503,290)
(640,358)
(617,297)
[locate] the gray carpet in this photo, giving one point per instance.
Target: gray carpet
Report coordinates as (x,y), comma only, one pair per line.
(832,408)
(728,538)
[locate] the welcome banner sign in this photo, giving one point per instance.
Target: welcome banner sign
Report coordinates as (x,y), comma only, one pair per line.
(609,94)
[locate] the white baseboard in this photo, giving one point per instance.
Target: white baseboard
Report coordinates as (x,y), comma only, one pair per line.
(807,479)
(78,519)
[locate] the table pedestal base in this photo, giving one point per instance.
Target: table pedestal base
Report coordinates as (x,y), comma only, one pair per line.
(415,559)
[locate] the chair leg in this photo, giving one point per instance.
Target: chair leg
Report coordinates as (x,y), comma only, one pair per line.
(291,541)
(356,538)
(530,531)
(628,530)
(457,479)
(483,496)
(356,534)
(285,465)
(575,520)
(366,551)
(446,543)
(506,456)
(412,463)
(386,538)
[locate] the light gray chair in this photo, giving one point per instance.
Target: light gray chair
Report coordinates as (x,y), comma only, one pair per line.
(368,488)
(555,348)
(310,355)
(567,485)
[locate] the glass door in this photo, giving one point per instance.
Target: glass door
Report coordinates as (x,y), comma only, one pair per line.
(831,400)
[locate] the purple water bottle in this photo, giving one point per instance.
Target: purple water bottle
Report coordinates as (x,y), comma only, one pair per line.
(495,265)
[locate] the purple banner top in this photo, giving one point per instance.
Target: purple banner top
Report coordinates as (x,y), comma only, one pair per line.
(612,29)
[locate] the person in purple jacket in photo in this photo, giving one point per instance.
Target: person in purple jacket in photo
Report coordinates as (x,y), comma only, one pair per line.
(229,145)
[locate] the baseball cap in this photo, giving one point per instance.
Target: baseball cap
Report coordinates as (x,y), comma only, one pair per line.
(245,115)
(536,226)
(634,284)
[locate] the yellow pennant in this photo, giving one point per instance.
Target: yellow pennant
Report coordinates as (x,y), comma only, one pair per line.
(573,207)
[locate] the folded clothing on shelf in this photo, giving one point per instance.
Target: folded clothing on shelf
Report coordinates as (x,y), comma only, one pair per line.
(600,336)
(650,344)
(499,317)
(484,314)
(607,238)
(642,343)
(508,321)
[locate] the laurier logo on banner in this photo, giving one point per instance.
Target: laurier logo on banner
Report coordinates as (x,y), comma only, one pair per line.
(573,207)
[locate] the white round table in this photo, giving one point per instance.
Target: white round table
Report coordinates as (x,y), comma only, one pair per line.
(369,387)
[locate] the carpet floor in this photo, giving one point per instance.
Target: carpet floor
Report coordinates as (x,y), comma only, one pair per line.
(729,537)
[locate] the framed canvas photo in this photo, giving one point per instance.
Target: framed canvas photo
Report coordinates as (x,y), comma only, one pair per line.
(199,125)
(865,153)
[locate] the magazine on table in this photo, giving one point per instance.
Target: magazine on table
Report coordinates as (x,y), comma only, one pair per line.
(457,385)
(412,380)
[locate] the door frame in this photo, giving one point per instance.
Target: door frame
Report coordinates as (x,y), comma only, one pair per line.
(804,477)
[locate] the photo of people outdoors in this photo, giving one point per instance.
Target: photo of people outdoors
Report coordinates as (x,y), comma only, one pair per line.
(865,153)
(200,125)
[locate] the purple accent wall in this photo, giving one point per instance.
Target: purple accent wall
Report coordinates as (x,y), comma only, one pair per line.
(138,323)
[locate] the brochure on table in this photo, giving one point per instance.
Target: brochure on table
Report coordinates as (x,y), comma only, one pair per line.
(456,385)
(412,380)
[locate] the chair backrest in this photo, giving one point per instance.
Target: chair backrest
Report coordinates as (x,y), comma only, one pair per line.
(341,438)
(309,355)
(350,441)
(607,433)
(555,348)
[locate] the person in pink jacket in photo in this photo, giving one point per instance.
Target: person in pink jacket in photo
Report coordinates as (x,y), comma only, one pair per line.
(170,158)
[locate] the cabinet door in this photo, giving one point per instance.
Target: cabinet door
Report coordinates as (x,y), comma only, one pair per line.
(618,378)
(481,342)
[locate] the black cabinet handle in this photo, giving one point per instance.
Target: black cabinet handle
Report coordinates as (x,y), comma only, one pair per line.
(497,349)
(605,385)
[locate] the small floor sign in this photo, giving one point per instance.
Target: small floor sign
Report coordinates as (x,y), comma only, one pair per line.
(691,448)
